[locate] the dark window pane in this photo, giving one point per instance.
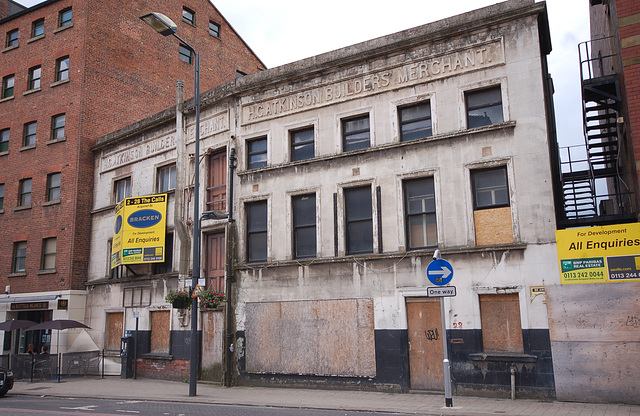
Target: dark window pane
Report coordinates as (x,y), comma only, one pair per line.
(188,16)
(8,83)
(257,153)
(38,28)
(304,225)
(4,140)
(490,188)
(184,54)
(356,133)
(12,38)
(302,144)
(415,122)
(65,17)
(256,231)
(62,70)
(214,29)
(484,107)
(359,220)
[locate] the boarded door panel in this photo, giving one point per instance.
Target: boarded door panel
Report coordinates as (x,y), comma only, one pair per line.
(217,183)
(595,341)
(160,332)
(215,261)
(114,324)
(501,326)
(425,344)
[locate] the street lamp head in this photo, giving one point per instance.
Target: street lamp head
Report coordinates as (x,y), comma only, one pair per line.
(160,23)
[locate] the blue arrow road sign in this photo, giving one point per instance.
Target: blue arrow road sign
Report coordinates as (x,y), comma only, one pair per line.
(440,272)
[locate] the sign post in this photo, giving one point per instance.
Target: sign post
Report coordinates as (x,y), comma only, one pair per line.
(440,273)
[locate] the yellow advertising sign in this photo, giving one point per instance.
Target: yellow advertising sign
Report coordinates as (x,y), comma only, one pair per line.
(139,230)
(599,254)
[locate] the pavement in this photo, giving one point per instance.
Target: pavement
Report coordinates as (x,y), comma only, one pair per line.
(113,387)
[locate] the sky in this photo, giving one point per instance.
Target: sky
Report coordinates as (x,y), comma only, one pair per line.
(284,31)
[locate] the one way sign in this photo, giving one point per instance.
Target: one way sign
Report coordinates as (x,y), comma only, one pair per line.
(441,291)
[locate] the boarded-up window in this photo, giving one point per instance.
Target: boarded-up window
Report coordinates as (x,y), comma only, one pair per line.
(160,332)
(137,296)
(501,327)
(115,322)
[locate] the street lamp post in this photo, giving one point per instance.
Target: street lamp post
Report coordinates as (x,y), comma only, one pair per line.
(165,26)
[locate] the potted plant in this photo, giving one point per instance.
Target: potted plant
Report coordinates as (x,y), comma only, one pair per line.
(210,299)
(179,299)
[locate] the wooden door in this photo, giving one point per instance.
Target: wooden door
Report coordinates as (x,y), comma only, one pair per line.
(160,331)
(215,261)
(425,344)
(115,322)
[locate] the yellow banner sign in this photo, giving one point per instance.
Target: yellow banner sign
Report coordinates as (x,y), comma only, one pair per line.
(139,230)
(599,254)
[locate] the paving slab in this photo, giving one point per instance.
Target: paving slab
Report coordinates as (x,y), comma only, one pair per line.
(419,403)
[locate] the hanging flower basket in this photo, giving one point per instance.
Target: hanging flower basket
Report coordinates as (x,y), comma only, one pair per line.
(179,299)
(210,299)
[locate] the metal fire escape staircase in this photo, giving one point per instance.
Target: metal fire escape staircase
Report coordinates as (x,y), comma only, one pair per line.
(592,182)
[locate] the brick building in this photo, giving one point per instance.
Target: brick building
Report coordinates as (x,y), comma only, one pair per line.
(72,71)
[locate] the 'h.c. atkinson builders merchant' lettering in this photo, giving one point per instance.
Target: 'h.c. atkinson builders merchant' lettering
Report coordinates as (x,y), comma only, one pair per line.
(429,69)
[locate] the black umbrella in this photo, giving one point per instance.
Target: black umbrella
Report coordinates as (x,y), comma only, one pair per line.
(58,324)
(15,324)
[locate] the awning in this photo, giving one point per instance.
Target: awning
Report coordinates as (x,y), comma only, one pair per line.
(13,299)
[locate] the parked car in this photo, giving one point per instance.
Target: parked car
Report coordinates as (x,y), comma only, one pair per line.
(6,380)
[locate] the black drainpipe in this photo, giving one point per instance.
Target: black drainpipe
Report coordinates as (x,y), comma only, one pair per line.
(230,249)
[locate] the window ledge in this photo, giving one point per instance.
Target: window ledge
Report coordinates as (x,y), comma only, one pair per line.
(6,152)
(64,139)
(23,148)
(7,99)
(379,256)
(49,203)
(511,357)
(35,38)
(63,81)
(1,211)
(51,271)
(60,29)
(10,48)
(22,208)
(157,356)
(18,274)
(32,91)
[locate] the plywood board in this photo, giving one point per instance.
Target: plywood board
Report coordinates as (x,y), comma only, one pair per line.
(334,337)
(493,226)
(594,312)
(115,327)
(212,337)
(595,341)
(160,331)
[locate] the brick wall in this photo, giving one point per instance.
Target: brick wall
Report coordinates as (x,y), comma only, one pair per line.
(118,74)
(163,369)
(628,14)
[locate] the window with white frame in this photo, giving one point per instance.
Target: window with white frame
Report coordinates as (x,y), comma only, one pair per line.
(166,178)
(49,247)
(122,189)
(420,213)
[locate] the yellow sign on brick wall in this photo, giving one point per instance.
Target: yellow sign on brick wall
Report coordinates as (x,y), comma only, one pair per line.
(599,254)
